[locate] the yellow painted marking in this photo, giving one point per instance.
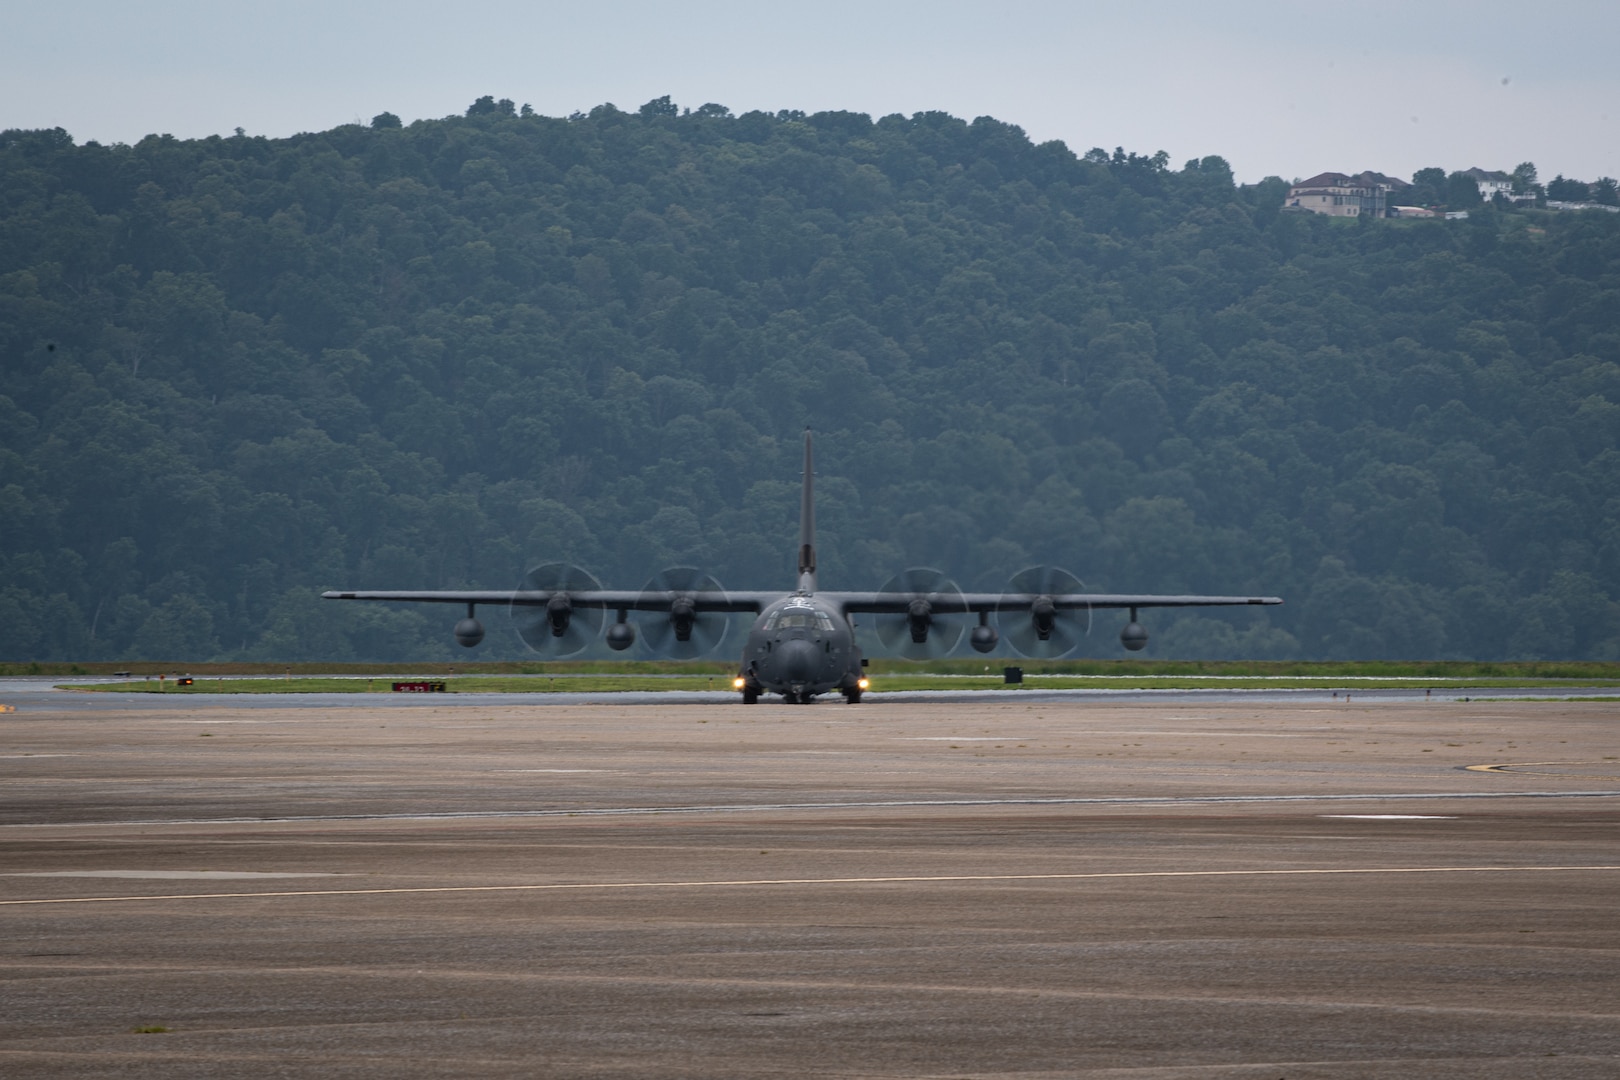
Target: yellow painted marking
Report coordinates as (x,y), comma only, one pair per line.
(1507,766)
(8,708)
(757,882)
(1521,765)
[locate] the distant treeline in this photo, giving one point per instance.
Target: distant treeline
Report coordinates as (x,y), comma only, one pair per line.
(238,370)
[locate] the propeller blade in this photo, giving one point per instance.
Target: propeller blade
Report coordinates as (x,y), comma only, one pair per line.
(1036,629)
(682,633)
(921,632)
(557,629)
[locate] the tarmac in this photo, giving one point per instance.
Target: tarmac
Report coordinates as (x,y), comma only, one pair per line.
(1003,886)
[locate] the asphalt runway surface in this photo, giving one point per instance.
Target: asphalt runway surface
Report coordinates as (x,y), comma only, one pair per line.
(1003,886)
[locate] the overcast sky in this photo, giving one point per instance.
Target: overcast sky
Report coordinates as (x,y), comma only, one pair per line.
(1286,89)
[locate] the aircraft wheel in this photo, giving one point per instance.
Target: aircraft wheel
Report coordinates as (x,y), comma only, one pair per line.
(750,695)
(852,697)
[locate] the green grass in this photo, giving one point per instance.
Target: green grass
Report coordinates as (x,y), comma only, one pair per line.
(477,684)
(397,670)
(1332,671)
(916,680)
(1315,669)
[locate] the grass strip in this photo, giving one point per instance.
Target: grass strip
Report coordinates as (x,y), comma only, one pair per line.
(979,666)
(586,683)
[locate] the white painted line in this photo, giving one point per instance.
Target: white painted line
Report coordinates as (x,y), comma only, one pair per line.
(253,720)
(963,738)
(1314,734)
(553,770)
(890,804)
(25,757)
(168,875)
(942,879)
(1391,817)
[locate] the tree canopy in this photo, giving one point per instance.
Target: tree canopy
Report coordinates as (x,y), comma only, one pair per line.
(240,370)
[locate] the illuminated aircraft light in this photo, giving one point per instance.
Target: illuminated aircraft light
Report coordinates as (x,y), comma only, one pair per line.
(739,682)
(863,683)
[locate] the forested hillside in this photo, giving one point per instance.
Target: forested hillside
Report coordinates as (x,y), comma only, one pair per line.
(237,371)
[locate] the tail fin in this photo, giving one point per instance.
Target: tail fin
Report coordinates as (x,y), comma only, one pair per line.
(807,524)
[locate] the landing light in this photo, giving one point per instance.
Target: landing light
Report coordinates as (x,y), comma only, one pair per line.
(863,683)
(739,682)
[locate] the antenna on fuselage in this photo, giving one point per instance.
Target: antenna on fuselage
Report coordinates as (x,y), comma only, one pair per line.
(807,524)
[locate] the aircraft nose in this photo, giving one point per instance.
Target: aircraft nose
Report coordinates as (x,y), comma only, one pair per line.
(798,660)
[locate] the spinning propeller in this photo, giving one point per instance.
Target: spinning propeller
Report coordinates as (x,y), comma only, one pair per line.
(922,632)
(683,633)
(1031,623)
(556,628)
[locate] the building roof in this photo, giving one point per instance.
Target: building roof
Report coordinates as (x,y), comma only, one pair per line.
(1367,179)
(1327,179)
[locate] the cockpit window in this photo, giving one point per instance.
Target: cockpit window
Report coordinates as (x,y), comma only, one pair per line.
(800,619)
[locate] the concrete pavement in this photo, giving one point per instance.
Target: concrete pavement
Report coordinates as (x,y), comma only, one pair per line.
(1001,888)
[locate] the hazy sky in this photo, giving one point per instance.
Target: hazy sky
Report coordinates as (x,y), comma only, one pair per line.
(1285,89)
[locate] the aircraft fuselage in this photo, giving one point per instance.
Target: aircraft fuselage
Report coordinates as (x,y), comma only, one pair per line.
(800,647)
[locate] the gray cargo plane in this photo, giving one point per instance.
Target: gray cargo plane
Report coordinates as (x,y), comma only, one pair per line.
(802,643)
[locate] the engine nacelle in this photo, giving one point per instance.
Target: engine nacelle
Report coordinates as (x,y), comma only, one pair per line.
(620,636)
(919,617)
(1134,637)
(984,638)
(469,632)
(1043,614)
(683,616)
(559,613)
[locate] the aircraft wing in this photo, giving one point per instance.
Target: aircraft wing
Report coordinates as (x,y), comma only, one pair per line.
(605,599)
(949,603)
(1042,624)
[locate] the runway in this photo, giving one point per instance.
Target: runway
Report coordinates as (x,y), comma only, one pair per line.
(1007,886)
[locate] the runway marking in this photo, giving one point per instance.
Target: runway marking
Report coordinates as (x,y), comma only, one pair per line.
(580,886)
(1391,817)
(963,738)
(24,757)
(1314,733)
(168,875)
(250,720)
(548,770)
(1506,765)
(1509,766)
(894,804)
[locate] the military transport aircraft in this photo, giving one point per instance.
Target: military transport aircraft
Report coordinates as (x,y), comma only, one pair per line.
(802,643)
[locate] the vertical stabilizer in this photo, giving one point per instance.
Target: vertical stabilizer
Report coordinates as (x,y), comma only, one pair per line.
(807,524)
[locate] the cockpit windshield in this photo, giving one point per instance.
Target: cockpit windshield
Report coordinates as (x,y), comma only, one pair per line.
(800,619)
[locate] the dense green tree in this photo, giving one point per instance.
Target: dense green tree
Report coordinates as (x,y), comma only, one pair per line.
(239,370)
(1429,188)
(1524,178)
(1462,191)
(1567,190)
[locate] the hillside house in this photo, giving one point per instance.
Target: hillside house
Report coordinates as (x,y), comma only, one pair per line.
(1491,184)
(1341,195)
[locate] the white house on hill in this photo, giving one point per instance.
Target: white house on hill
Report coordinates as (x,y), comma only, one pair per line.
(1491,184)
